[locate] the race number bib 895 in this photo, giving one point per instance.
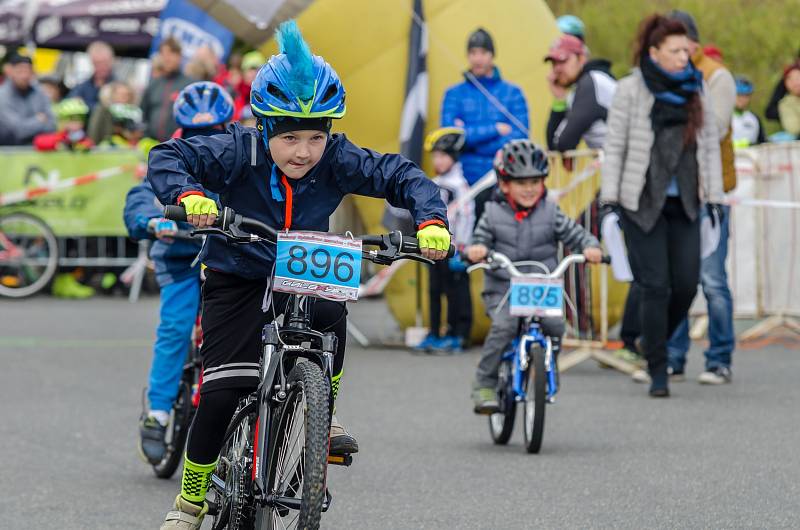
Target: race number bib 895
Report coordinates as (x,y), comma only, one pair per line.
(536,297)
(318,264)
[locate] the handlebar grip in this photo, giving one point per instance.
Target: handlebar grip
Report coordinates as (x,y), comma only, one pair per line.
(606,259)
(411,246)
(175,213)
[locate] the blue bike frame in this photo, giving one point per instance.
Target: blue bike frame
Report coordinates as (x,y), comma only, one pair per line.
(518,355)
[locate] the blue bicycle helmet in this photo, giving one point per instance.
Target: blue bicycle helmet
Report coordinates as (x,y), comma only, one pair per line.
(202,104)
(295,83)
(571,25)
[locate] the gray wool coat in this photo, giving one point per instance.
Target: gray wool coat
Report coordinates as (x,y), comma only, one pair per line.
(630,140)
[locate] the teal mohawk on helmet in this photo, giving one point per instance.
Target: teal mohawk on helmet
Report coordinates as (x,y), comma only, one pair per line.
(291,43)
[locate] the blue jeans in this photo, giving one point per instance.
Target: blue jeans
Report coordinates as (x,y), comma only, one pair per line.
(179,304)
(714,280)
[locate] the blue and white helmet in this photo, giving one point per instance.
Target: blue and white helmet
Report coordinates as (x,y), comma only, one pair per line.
(202,104)
(296,83)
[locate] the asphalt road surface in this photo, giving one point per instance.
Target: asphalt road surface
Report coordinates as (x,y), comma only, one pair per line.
(710,457)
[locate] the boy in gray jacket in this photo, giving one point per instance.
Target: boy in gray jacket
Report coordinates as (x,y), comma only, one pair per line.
(520,223)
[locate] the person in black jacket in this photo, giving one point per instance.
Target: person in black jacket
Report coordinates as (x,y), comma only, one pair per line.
(583,90)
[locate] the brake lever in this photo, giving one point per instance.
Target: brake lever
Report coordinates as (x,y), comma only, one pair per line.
(227,235)
(415,257)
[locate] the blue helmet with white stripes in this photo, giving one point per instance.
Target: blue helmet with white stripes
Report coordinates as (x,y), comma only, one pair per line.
(202,104)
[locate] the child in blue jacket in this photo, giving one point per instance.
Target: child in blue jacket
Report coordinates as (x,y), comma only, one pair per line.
(290,173)
(201,109)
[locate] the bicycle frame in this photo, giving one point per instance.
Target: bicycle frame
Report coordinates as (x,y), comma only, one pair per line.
(517,354)
(272,387)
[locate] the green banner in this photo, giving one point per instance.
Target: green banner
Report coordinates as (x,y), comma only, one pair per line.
(76,193)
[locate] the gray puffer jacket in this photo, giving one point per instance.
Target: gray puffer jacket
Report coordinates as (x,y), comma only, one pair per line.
(535,237)
(630,140)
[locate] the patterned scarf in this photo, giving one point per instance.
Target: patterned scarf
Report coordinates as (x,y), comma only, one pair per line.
(672,91)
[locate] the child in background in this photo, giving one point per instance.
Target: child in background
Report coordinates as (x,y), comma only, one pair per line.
(71,114)
(521,223)
(746,126)
(201,109)
(450,278)
(128,128)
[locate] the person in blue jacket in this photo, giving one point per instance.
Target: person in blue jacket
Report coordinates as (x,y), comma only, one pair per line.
(289,172)
(487,126)
(201,109)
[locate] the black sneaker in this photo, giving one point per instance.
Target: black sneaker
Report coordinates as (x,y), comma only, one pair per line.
(151,440)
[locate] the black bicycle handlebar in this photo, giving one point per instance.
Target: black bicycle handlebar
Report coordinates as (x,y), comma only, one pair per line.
(229,221)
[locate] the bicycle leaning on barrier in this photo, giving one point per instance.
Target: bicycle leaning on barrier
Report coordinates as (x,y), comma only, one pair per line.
(529,369)
(272,470)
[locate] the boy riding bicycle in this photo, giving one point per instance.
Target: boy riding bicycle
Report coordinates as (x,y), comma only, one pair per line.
(201,109)
(290,173)
(521,223)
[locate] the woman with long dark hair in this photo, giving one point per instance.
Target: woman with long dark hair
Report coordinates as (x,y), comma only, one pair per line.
(662,161)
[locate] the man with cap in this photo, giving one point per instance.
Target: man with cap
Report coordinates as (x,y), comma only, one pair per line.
(487,125)
(713,276)
(583,90)
(23,103)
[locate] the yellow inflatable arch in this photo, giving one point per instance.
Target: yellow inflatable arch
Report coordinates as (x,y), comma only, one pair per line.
(367,43)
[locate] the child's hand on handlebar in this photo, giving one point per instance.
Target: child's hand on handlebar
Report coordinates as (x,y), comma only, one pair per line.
(200,211)
(434,242)
(476,253)
(593,254)
(163,229)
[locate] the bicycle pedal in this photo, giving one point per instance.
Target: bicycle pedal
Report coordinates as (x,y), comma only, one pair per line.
(340,460)
(213,508)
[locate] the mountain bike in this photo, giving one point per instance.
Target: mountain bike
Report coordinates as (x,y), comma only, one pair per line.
(272,469)
(528,372)
(28,255)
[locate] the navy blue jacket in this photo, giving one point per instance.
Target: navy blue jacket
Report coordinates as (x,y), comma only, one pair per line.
(238,167)
(173,261)
(465,103)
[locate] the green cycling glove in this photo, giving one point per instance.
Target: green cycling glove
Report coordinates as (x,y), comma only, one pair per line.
(199,205)
(434,236)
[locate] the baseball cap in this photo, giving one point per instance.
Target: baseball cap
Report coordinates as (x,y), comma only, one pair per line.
(565,46)
(17,58)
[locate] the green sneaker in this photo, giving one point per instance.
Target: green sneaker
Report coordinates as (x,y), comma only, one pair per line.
(485,400)
(65,285)
(624,354)
(108,281)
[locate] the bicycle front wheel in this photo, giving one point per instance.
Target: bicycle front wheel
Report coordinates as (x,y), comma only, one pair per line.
(535,392)
(28,255)
(296,479)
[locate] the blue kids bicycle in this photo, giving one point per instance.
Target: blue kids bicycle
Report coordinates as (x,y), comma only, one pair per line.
(528,371)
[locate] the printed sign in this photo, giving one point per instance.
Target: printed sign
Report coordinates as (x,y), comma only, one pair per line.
(318,264)
(536,297)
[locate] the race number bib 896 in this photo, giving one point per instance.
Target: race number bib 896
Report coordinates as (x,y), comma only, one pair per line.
(536,297)
(318,264)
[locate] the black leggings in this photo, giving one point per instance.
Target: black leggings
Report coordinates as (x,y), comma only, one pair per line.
(455,286)
(666,269)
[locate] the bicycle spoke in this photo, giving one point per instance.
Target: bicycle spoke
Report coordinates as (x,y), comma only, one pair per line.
(285,446)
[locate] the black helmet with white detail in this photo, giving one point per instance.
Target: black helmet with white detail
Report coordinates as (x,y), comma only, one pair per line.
(520,159)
